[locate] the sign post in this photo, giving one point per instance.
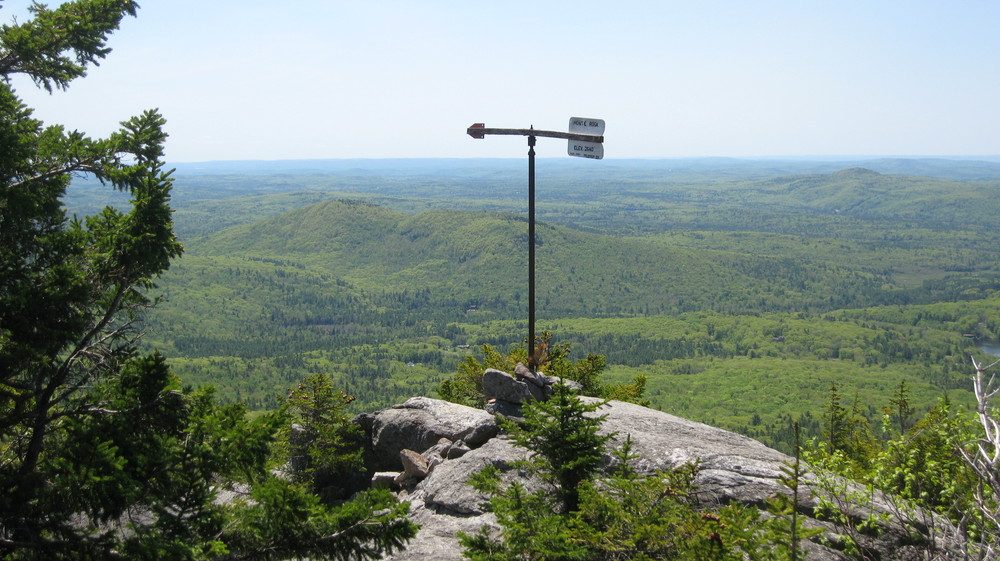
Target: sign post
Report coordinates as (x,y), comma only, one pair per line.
(586,140)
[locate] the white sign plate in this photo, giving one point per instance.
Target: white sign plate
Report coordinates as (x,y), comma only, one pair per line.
(582,149)
(582,125)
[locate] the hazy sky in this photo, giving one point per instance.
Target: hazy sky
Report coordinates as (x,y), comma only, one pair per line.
(248,79)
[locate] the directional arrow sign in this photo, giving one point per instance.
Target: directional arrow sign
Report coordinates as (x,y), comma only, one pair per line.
(474,130)
(582,148)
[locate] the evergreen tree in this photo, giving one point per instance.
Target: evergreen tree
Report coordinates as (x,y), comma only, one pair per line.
(324,446)
(103,455)
(848,432)
(565,439)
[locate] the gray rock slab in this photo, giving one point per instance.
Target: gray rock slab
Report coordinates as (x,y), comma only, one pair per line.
(419,424)
(736,466)
(444,503)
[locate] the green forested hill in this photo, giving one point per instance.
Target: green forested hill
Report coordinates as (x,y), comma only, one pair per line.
(479,258)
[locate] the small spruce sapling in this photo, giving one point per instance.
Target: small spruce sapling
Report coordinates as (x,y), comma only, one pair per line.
(323,444)
(565,439)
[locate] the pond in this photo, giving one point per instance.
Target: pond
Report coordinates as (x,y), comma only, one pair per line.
(991,347)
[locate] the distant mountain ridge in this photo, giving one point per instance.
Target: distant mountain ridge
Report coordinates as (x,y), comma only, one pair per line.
(865,193)
(587,198)
(980,168)
(617,196)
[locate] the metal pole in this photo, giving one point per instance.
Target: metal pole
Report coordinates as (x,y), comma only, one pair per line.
(479,130)
(531,252)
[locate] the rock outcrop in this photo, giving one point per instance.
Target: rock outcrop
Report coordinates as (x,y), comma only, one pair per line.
(731,468)
(418,424)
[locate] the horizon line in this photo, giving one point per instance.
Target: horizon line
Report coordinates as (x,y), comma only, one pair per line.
(809,157)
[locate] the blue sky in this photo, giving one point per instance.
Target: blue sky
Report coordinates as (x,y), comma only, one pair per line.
(248,79)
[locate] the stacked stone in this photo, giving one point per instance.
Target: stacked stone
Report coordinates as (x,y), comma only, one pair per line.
(507,393)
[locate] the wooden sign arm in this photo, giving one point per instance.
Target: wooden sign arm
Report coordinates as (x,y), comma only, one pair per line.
(479,131)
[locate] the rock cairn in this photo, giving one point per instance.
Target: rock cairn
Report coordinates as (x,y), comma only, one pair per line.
(507,393)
